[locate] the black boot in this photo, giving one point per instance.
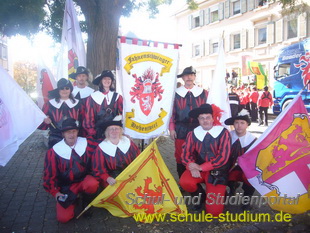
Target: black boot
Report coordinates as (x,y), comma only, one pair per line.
(200,191)
(180,169)
(248,191)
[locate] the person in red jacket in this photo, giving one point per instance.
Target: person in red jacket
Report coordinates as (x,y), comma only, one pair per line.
(113,154)
(205,154)
(187,97)
(67,169)
(102,105)
(62,105)
(253,104)
(265,101)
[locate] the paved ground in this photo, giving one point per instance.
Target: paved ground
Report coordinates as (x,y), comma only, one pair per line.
(26,207)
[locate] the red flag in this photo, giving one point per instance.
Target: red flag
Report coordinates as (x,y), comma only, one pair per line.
(45,83)
(278,164)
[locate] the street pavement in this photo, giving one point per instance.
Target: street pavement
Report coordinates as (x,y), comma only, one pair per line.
(27,207)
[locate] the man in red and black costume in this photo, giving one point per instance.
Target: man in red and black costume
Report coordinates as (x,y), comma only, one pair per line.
(242,140)
(187,97)
(205,155)
(67,170)
(102,105)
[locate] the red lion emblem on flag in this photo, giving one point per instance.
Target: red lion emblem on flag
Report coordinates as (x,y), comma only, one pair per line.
(146,89)
(304,65)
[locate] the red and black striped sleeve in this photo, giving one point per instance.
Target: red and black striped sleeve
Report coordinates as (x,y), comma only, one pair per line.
(45,109)
(189,149)
(50,173)
(89,117)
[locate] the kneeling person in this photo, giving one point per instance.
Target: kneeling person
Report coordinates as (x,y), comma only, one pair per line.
(114,153)
(242,140)
(205,155)
(67,170)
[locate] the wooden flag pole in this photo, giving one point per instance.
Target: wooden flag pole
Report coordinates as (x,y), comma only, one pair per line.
(87,207)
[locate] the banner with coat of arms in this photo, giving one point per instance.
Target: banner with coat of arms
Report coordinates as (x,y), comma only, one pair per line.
(146,76)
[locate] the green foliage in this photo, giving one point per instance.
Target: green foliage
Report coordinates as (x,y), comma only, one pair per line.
(192,5)
(21,16)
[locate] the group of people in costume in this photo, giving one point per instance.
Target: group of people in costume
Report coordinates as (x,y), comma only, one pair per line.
(87,147)
(205,151)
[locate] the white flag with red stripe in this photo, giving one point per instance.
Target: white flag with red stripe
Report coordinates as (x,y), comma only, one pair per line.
(72,46)
(45,83)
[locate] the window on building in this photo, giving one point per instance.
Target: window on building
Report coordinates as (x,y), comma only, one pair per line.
(214,12)
(236,41)
(236,7)
(196,22)
(292,28)
(196,50)
(215,47)
(261,35)
(3,51)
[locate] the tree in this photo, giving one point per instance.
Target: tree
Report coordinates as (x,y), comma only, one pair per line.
(25,74)
(101,23)
(102,17)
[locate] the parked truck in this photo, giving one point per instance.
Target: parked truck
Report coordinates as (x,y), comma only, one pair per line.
(291,74)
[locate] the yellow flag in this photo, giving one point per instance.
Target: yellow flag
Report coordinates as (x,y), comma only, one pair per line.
(145,186)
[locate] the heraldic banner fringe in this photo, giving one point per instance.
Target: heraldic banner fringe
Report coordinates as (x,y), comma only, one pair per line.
(147,81)
(145,186)
(278,163)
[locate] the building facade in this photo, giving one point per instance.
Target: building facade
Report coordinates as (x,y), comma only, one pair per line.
(253,30)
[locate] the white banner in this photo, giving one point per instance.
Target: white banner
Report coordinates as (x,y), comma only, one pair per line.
(147,78)
(218,93)
(72,52)
(19,116)
(45,83)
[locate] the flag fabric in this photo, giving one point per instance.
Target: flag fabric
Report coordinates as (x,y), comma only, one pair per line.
(45,83)
(19,116)
(278,163)
(147,81)
(145,186)
(72,52)
(218,94)
(257,69)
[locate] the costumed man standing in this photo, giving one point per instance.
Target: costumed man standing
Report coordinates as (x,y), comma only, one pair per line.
(67,170)
(81,91)
(205,154)
(253,104)
(114,153)
(242,140)
(102,105)
(265,101)
(61,106)
(187,97)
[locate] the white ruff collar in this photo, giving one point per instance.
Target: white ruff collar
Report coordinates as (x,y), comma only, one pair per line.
(64,151)
(110,149)
(182,91)
(245,140)
(215,131)
(98,97)
(68,102)
(84,92)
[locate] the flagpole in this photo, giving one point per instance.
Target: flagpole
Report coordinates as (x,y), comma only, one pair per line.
(308,83)
(87,207)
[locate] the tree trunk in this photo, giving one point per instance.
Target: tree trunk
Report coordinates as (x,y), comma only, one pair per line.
(102,18)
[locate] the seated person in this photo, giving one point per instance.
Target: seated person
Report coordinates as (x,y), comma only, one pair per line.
(114,153)
(242,140)
(67,170)
(205,155)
